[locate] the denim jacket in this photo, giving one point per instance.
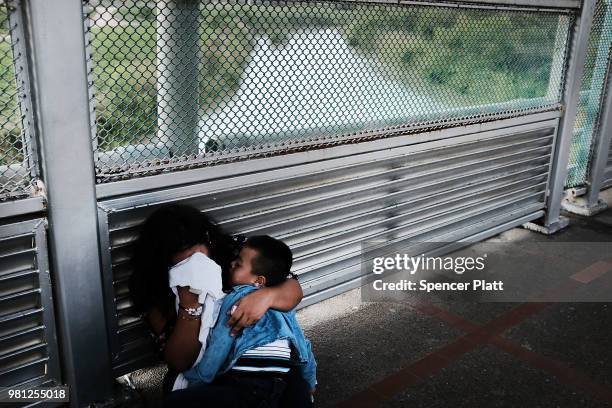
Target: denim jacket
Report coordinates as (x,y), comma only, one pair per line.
(223,350)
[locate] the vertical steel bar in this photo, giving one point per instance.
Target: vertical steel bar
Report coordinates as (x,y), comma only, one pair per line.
(574,75)
(599,76)
(596,94)
(90,78)
(57,50)
(177,75)
(601,150)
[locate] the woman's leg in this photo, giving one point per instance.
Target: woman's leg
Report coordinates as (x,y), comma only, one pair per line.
(168,382)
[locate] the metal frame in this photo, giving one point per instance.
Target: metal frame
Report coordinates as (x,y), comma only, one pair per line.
(563,4)
(553,221)
(24,206)
(526,4)
(55,34)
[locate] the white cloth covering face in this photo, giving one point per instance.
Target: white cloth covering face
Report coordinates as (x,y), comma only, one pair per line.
(203,276)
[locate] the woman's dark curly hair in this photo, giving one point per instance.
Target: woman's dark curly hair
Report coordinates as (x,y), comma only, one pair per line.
(167,231)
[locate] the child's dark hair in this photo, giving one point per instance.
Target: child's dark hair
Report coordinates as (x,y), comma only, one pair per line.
(273,260)
(168,230)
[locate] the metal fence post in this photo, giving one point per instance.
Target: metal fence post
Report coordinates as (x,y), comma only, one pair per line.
(552,220)
(177,75)
(57,52)
(600,154)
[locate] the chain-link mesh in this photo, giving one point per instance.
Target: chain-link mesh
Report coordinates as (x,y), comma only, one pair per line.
(15,163)
(182,83)
(592,95)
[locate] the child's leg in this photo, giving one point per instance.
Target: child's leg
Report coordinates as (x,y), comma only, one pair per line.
(230,391)
(296,394)
(263,391)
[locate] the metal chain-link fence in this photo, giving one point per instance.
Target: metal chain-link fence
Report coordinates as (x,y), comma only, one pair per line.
(592,96)
(16,164)
(183,83)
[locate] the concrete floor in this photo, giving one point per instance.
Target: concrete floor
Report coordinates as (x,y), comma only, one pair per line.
(450,352)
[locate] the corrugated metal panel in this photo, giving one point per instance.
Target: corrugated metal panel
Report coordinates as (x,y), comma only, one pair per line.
(28,345)
(443,191)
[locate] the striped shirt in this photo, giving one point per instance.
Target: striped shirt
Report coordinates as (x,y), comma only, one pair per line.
(274,357)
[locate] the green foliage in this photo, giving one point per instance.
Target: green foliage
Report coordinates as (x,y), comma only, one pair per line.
(11,146)
(142,13)
(126,105)
(481,57)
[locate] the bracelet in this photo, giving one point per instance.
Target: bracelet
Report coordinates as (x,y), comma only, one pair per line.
(192,311)
(186,316)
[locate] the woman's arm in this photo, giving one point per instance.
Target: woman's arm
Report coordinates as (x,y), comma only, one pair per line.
(218,347)
(253,306)
(183,346)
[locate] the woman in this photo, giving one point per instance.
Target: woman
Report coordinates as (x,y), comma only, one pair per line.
(174,233)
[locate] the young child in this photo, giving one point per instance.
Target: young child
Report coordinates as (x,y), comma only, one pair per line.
(250,369)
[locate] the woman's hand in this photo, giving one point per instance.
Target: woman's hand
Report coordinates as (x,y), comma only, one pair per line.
(187,298)
(250,309)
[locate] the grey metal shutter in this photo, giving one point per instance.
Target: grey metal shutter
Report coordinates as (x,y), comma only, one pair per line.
(473,185)
(28,345)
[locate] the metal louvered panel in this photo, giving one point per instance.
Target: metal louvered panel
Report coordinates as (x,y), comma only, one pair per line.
(28,345)
(442,190)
